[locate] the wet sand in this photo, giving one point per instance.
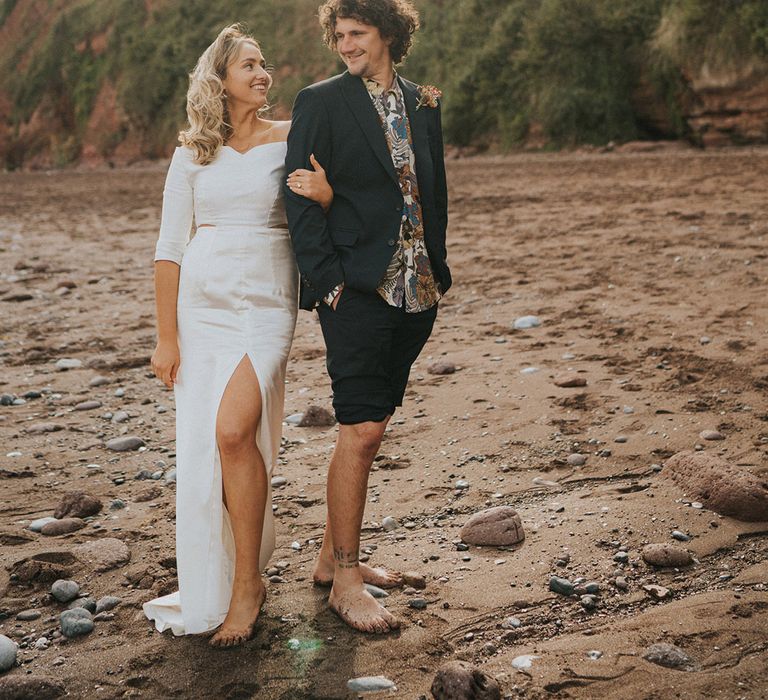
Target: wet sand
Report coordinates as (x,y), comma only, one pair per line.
(648,273)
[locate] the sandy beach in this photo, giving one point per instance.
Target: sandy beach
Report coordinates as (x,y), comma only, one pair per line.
(647,272)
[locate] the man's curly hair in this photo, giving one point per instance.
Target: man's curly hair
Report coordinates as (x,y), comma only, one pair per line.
(395,19)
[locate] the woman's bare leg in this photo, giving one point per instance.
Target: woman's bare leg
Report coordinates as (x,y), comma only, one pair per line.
(245,491)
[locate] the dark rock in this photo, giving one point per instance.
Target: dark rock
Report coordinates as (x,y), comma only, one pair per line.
(62,527)
(459,680)
(561,585)
(720,486)
(663,554)
(317,417)
(76,622)
(45,567)
(37,428)
(148,494)
(77,504)
(497,526)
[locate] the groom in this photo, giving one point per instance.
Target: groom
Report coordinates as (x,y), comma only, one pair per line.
(373,264)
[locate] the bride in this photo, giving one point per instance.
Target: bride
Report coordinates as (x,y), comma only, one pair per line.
(226,314)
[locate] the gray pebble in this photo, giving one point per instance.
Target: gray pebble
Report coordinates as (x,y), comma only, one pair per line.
(64,590)
(117,504)
(389,523)
(98,380)
(88,604)
(680,536)
(120,416)
(125,444)
(561,585)
(621,438)
(669,656)
(104,617)
(417,603)
(577,460)
(370,684)
(8,650)
(28,615)
(589,602)
(76,622)
(66,363)
(37,525)
(120,392)
(511,623)
(461,484)
(42,644)
(524,322)
(592,587)
(170,476)
(375,591)
(87,405)
(711,435)
(621,557)
(278,481)
(107,603)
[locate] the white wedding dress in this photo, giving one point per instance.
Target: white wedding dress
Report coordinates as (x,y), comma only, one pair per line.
(237,298)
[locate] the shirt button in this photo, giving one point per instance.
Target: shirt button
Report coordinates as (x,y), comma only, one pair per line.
(391,242)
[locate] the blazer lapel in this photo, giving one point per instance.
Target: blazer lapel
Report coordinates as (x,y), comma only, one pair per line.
(418,123)
(365,113)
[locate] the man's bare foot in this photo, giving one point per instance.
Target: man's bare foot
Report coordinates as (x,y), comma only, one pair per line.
(240,621)
(359,609)
(379,576)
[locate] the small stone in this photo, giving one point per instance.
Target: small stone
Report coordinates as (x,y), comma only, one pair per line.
(669,656)
(107,603)
(64,591)
(415,580)
(570,380)
(460,680)
(148,494)
(98,380)
(375,591)
(88,604)
(370,684)
(489,649)
(7,399)
(529,370)
(441,367)
(278,481)
(120,392)
(511,623)
(103,554)
(170,476)
(294,418)
(38,428)
(561,585)
(66,363)
(77,504)
(317,417)
(499,526)
(524,322)
(104,617)
(8,651)
(523,663)
(28,615)
(42,643)
(621,583)
(680,536)
(621,439)
(664,554)
(588,602)
(76,622)
(62,527)
(621,557)
(125,444)
(657,592)
(705,340)
(117,504)
(389,523)
(417,603)
(87,405)
(711,435)
(576,459)
(592,587)
(461,485)
(37,525)
(120,416)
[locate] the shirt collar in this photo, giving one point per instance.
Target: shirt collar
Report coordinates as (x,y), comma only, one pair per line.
(377,90)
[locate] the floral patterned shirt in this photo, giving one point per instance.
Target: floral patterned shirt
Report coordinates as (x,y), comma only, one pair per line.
(408,282)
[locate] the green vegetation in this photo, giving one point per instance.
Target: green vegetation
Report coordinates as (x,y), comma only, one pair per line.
(569,71)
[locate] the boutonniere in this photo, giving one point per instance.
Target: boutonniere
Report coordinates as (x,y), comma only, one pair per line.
(428,96)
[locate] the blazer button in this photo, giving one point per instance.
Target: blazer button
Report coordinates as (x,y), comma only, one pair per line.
(391,242)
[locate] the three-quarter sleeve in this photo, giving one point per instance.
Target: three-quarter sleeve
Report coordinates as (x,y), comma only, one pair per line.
(178,208)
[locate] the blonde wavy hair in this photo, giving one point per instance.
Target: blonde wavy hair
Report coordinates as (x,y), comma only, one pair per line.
(207,110)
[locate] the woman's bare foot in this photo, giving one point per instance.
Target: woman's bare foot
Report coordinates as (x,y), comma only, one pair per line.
(359,609)
(240,621)
(379,576)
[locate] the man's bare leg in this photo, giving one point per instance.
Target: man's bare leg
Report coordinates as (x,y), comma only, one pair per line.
(356,447)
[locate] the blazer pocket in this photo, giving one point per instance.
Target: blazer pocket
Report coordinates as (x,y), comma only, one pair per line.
(344,236)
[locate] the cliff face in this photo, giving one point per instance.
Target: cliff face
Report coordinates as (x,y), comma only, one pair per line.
(90,82)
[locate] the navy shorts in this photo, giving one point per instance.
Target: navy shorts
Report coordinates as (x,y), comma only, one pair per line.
(370,348)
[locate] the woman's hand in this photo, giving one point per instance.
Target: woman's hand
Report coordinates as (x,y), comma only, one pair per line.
(165,362)
(312,184)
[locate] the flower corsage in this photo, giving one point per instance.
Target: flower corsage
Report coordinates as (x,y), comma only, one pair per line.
(428,96)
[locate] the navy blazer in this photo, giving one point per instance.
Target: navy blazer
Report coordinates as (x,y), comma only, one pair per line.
(354,240)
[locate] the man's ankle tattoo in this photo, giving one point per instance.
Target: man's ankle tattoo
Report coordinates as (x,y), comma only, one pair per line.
(345,559)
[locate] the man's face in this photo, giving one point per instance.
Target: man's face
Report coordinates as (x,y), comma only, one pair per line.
(362,48)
